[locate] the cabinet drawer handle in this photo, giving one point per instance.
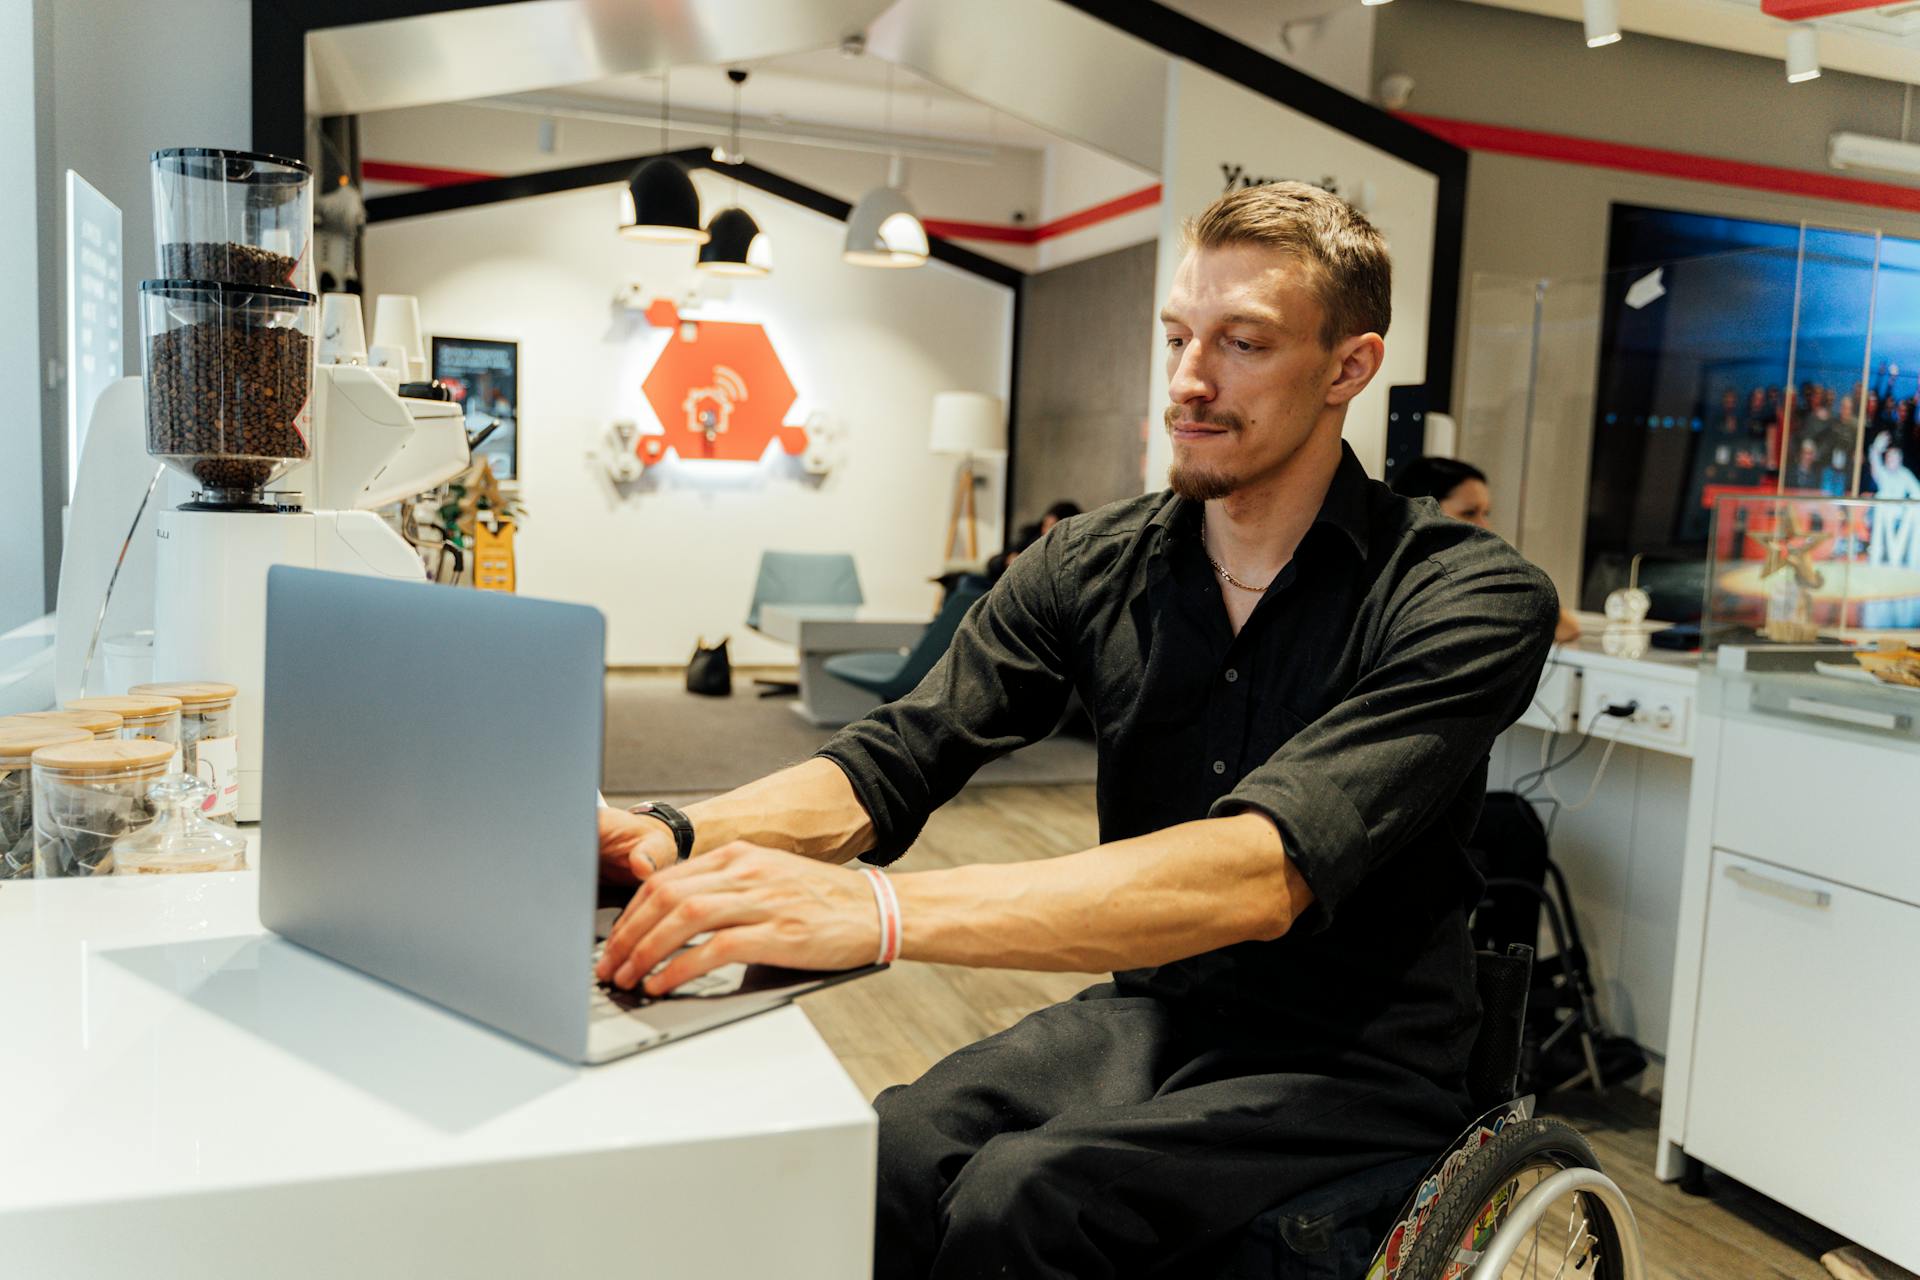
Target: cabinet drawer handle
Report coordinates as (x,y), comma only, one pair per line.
(1779,888)
(1849,715)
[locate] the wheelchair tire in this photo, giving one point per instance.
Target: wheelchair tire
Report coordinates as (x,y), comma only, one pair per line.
(1542,1146)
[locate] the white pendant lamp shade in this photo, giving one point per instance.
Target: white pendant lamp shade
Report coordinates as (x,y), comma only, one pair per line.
(884,231)
(1602,21)
(736,246)
(968,422)
(1803,55)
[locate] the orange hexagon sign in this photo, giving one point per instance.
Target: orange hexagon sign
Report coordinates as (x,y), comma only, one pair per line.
(720,391)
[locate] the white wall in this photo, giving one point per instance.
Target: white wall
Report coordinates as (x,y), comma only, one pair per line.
(675,559)
(130,77)
(22,573)
(1331,40)
(1273,141)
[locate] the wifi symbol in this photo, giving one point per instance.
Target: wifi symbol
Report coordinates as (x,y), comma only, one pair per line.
(731,384)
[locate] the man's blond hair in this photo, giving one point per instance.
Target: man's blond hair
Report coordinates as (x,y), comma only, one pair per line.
(1352,276)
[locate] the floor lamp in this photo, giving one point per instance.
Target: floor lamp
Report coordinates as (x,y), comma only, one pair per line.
(970,424)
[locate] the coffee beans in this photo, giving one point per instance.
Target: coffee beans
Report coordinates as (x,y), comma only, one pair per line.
(233,263)
(225,393)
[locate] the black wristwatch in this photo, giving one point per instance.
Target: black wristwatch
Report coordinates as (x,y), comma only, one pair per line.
(677,822)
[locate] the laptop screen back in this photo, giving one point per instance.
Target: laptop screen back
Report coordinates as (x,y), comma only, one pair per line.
(430,764)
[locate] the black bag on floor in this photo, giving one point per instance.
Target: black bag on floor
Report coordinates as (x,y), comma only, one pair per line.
(710,672)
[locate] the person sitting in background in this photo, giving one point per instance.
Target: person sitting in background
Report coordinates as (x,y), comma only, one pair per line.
(1460,489)
(1028,535)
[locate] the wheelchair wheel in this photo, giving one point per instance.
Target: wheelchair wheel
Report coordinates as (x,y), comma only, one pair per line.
(1579,1238)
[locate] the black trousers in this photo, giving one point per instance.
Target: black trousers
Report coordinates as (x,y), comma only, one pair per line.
(1114,1135)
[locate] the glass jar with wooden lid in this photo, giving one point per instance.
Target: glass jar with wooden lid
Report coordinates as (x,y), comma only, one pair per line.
(19,739)
(104,725)
(86,795)
(208,745)
(142,718)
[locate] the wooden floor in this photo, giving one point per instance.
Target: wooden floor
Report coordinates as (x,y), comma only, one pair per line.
(889,1028)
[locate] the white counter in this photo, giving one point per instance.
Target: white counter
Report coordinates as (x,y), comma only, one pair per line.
(187,1096)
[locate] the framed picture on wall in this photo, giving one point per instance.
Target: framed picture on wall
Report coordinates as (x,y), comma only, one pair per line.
(484,376)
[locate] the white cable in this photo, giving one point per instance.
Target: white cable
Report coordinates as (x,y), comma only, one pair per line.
(1598,774)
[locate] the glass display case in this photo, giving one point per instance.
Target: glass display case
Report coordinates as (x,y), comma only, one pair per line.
(1806,570)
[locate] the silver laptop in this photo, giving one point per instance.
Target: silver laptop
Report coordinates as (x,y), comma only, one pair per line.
(430,764)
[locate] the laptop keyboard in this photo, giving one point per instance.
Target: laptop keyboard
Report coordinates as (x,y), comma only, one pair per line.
(608,1001)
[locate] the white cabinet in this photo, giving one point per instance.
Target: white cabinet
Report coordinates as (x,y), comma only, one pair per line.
(1794,1061)
(1807,1046)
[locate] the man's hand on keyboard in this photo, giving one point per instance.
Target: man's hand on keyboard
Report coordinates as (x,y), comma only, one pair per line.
(632,846)
(762,906)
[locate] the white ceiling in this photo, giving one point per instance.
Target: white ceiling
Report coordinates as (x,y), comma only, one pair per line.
(1883,42)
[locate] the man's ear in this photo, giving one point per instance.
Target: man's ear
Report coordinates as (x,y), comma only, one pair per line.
(1359,358)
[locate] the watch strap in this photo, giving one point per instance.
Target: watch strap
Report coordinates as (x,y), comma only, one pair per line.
(677,822)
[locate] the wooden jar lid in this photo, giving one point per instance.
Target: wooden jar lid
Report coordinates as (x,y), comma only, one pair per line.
(92,720)
(19,741)
(127,706)
(104,757)
(190,692)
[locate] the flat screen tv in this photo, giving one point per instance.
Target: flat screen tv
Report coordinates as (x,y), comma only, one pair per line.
(1741,357)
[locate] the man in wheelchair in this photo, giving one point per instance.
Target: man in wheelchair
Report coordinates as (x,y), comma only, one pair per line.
(1295,676)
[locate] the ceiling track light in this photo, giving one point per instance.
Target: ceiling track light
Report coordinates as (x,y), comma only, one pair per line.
(1803,55)
(1602,22)
(660,205)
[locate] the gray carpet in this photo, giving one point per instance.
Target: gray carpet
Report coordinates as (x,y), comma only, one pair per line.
(663,740)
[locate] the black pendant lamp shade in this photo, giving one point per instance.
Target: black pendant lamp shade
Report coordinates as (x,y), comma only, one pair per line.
(666,208)
(735,245)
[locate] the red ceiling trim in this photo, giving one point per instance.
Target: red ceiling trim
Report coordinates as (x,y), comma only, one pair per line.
(1801,10)
(420,175)
(1118,207)
(1501,140)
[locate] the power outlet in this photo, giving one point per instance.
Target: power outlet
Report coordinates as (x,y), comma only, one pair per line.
(1662,713)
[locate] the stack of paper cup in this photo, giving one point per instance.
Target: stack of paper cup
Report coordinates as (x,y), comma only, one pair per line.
(343,339)
(396,323)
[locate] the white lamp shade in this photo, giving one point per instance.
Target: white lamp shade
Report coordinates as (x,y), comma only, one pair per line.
(343,338)
(396,323)
(968,422)
(884,231)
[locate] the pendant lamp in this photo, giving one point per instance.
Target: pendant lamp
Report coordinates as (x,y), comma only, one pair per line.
(883,230)
(735,244)
(661,206)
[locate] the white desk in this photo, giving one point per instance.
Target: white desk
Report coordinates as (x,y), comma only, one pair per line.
(819,632)
(185,1096)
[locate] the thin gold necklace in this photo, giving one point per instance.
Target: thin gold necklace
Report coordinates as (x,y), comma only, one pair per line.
(1222,569)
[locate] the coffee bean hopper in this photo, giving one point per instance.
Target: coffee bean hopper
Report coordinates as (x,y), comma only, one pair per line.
(234,399)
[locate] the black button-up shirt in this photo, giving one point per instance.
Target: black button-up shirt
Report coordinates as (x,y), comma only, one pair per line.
(1355,709)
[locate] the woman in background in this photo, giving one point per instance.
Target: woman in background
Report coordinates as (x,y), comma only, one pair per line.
(1461,490)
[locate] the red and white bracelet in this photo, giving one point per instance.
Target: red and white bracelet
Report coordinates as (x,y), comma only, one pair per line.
(889,907)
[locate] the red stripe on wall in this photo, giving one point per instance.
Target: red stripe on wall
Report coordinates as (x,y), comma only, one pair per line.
(1501,140)
(420,175)
(1117,207)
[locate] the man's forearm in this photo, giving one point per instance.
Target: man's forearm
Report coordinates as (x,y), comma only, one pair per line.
(809,809)
(1126,905)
